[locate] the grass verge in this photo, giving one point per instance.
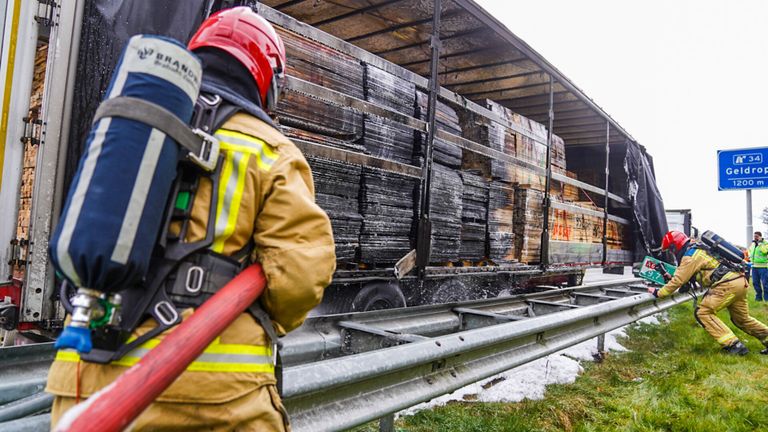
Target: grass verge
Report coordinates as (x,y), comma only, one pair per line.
(674,378)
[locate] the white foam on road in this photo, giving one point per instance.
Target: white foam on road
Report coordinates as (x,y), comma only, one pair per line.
(530,380)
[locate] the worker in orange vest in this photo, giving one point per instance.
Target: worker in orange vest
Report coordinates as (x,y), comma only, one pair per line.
(265,213)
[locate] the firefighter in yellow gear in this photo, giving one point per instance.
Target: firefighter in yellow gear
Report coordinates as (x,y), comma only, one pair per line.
(727,289)
(265,198)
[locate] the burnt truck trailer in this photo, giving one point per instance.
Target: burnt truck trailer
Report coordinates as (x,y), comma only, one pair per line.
(454,161)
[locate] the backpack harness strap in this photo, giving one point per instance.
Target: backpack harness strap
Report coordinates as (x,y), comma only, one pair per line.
(202,147)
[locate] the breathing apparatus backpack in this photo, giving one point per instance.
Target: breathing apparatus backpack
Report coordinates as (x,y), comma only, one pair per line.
(137,177)
(730,257)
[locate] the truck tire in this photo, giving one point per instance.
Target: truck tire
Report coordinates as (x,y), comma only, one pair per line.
(451,291)
(378,296)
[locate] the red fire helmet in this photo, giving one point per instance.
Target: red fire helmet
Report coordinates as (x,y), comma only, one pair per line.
(249,38)
(674,238)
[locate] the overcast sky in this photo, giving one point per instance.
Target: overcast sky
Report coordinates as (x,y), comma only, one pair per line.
(685,78)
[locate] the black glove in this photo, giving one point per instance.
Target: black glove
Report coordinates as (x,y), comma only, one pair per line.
(664,273)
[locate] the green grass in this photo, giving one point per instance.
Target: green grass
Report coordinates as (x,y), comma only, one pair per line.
(674,378)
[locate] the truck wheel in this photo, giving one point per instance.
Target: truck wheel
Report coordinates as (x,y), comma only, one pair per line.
(378,296)
(451,291)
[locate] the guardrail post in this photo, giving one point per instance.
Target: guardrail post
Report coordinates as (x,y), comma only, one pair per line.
(424,229)
(546,205)
(387,423)
(605,202)
(601,347)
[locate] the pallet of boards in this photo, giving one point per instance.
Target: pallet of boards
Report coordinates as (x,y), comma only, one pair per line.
(528,224)
(526,141)
(564,191)
(573,252)
(446,119)
(503,247)
(574,226)
(583,231)
(324,66)
(474,216)
(383,137)
(387,207)
(337,190)
(445,213)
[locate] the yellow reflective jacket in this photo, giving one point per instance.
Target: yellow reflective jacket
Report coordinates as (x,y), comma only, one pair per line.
(698,265)
(266,195)
(758,254)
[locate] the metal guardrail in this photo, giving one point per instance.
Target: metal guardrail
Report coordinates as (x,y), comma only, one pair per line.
(23,372)
(341,370)
(349,391)
(324,337)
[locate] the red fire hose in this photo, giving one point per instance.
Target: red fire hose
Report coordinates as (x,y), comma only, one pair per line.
(117,405)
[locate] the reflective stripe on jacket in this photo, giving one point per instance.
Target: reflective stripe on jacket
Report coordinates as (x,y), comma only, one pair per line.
(217,357)
(266,198)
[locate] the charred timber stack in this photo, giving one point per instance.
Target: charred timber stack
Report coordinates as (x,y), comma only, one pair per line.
(447,187)
(337,190)
(474,216)
(446,213)
(482,209)
(387,207)
(325,122)
(446,119)
(502,247)
(337,184)
(387,200)
(383,137)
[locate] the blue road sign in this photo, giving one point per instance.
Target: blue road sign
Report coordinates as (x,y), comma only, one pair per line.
(742,169)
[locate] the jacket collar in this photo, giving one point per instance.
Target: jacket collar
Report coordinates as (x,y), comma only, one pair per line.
(211,86)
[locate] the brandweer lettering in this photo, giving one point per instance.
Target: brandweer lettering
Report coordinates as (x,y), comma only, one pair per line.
(170,62)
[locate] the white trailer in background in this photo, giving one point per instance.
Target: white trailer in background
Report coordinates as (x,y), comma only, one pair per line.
(680,220)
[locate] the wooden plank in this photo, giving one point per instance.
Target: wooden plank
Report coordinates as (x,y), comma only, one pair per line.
(482,62)
(542,118)
(416,47)
(578,121)
(322,151)
(565,130)
(562,108)
(477,74)
(523,92)
(406,264)
(352,13)
(497,86)
(465,58)
(306,87)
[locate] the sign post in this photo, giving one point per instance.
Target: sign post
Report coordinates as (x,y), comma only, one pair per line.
(743,169)
(749,216)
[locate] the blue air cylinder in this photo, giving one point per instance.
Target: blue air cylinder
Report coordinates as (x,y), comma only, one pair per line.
(114,210)
(722,247)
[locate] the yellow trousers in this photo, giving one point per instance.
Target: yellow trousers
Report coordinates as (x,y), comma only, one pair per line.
(259,410)
(731,295)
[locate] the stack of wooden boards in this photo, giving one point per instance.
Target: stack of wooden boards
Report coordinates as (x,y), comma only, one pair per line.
(482,209)
(29,167)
